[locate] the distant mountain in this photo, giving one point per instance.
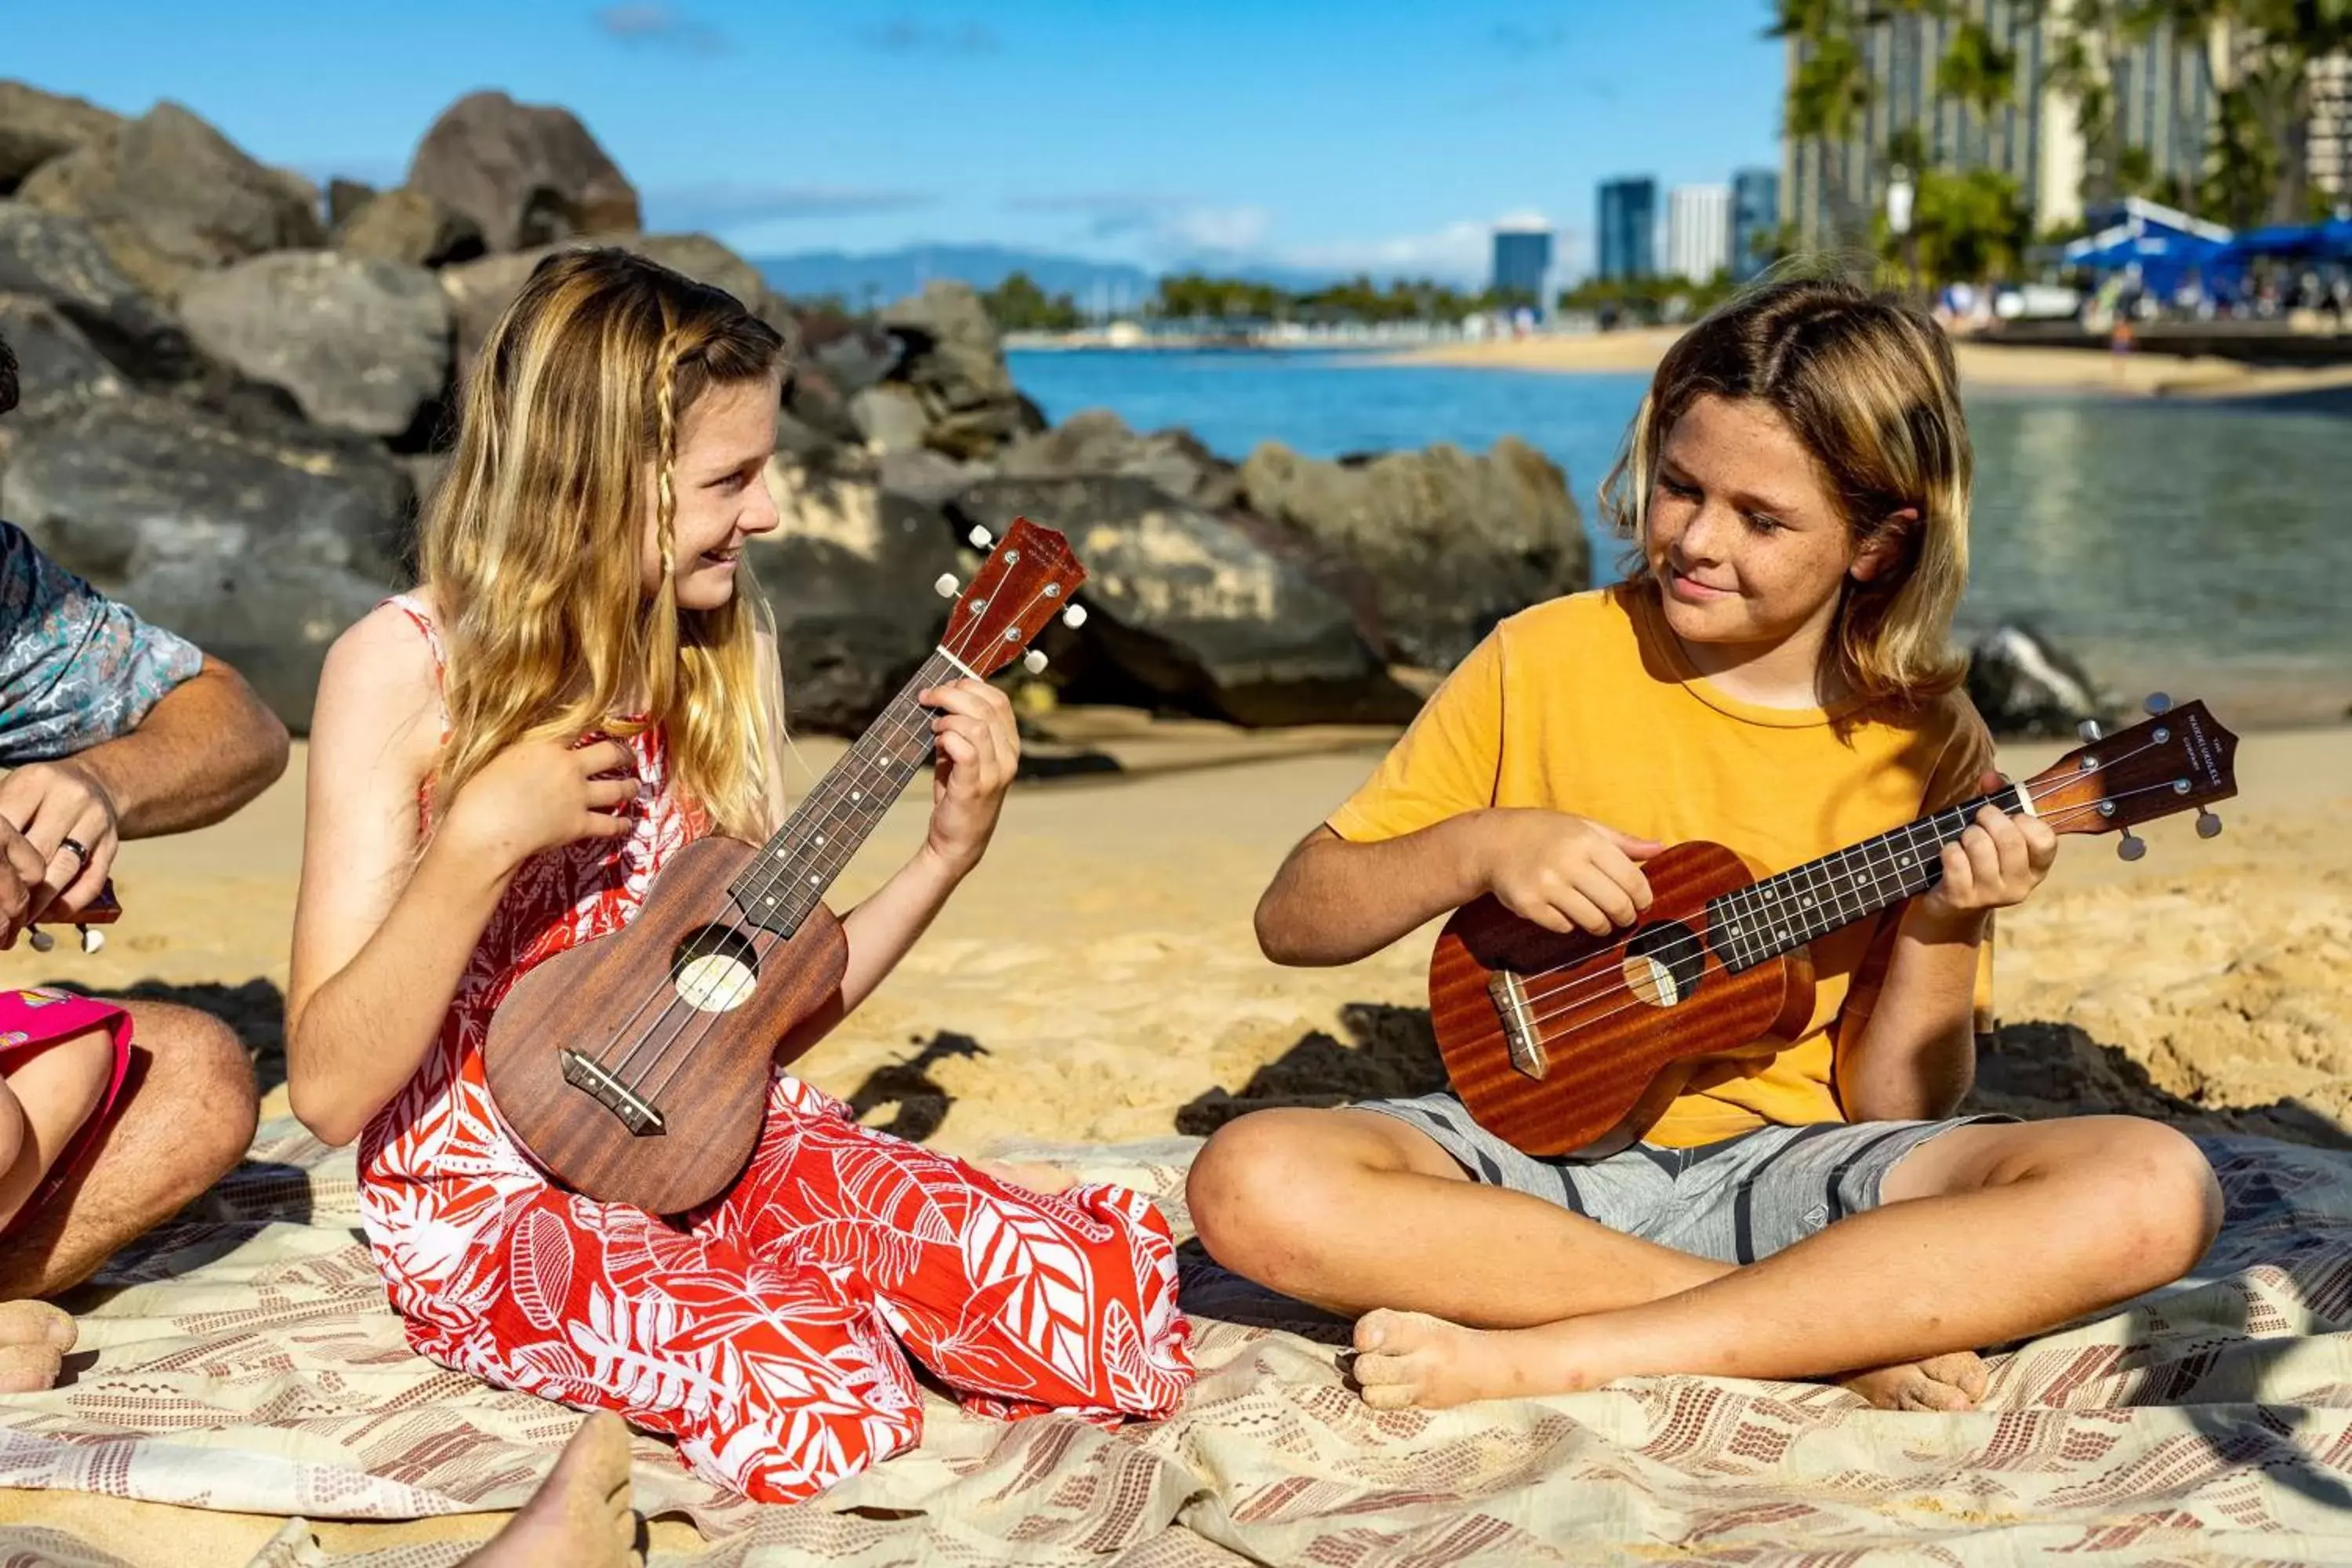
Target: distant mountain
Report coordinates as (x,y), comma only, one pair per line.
(893,275)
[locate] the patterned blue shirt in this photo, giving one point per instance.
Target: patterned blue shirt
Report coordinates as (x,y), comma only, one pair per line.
(76,667)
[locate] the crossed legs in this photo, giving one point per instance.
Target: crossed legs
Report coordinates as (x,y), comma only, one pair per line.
(1462,1291)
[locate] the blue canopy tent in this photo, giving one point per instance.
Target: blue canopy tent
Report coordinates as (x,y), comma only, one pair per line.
(2330,241)
(2164,259)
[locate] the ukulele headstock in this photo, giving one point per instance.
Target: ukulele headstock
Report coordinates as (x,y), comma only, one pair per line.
(1028,577)
(2178,759)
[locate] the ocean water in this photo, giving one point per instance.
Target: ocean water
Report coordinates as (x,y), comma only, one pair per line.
(2200,550)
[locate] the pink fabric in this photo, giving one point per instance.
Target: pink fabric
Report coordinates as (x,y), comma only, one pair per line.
(769,1334)
(36,1017)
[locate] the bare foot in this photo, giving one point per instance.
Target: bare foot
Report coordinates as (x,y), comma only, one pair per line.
(580,1517)
(34,1339)
(1037,1178)
(1412,1359)
(1954,1382)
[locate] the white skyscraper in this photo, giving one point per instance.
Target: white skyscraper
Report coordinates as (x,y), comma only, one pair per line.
(1698,231)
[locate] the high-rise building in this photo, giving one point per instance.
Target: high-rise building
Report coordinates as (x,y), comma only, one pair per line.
(1522,262)
(2329,149)
(2161,86)
(1626,246)
(1755,221)
(1698,231)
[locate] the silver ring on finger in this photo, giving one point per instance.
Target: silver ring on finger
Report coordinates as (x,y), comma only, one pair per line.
(80,855)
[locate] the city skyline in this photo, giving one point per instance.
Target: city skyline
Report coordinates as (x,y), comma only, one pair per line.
(1375,137)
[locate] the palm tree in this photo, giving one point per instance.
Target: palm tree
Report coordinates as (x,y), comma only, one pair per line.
(1830,96)
(1979,72)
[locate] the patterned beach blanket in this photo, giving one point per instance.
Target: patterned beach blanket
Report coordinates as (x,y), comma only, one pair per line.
(244,1358)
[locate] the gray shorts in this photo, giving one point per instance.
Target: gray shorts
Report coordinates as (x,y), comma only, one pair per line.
(1737,1201)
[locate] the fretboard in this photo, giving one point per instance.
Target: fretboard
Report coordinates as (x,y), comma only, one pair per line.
(1782,913)
(791,873)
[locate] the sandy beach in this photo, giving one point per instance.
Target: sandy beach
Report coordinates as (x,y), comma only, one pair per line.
(1983,366)
(1097,980)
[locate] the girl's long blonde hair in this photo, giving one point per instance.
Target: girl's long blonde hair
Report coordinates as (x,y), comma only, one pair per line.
(533,543)
(1868,386)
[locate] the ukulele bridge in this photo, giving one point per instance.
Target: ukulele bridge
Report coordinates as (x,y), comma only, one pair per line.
(612,1094)
(1518,1023)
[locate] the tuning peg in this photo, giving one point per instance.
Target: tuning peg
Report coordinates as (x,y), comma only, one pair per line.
(2089,729)
(2207,826)
(2156,702)
(980,538)
(1033,661)
(39,940)
(2130,846)
(946,587)
(1075,616)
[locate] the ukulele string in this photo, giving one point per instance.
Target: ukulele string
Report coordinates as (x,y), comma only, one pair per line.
(923,718)
(1614,983)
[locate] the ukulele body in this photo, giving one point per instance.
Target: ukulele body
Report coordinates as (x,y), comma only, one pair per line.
(1608,1029)
(690,973)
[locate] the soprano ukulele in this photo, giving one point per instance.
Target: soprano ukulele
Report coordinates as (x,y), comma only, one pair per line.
(1557,1042)
(635,1066)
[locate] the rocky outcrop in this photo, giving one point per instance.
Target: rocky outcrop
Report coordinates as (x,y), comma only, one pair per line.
(1187,611)
(58,260)
(1451,541)
(410,228)
(1098,441)
(848,578)
(528,174)
(271,620)
(36,126)
(2024,684)
(361,345)
(55,365)
(168,192)
(954,363)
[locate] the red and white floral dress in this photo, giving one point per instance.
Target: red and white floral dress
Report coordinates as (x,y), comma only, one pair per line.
(769,1332)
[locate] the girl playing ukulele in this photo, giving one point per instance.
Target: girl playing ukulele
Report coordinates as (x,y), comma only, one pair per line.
(499,762)
(1774,677)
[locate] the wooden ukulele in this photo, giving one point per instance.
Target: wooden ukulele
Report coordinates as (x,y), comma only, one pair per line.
(103,911)
(1565,1043)
(635,1066)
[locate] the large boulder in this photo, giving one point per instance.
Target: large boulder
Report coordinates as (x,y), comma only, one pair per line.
(407,227)
(2025,684)
(58,260)
(36,126)
(1451,542)
(273,620)
(362,345)
(170,187)
(529,174)
(848,577)
(954,360)
(1098,441)
(1187,611)
(56,364)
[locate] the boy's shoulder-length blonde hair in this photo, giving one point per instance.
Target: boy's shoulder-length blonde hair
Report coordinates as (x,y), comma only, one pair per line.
(1868,386)
(533,545)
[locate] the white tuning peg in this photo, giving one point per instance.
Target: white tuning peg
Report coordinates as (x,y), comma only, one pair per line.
(2207,826)
(2131,846)
(39,940)
(1075,616)
(980,538)
(946,587)
(2089,729)
(91,940)
(1033,661)
(2156,702)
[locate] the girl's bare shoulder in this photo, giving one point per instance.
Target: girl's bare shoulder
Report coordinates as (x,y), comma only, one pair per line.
(382,675)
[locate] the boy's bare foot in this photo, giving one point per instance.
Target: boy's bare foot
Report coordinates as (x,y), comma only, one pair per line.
(34,1339)
(1954,1382)
(1410,1359)
(580,1515)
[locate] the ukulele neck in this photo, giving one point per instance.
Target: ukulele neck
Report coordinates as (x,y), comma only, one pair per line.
(789,876)
(1780,914)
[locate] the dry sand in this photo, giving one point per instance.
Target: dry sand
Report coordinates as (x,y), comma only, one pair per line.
(1097,979)
(1983,366)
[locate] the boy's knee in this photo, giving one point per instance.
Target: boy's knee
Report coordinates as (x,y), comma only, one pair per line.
(199,1076)
(2163,1190)
(1257,1187)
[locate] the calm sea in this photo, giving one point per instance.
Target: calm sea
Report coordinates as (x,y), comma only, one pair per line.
(2205,551)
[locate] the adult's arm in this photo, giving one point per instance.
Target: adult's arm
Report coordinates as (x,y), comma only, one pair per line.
(204,749)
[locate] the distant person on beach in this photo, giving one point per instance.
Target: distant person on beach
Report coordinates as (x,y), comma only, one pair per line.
(113,1114)
(499,762)
(1774,676)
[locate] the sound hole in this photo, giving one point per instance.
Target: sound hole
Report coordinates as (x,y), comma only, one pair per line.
(1662,964)
(715,969)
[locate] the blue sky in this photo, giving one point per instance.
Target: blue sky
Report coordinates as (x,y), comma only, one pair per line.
(1381,134)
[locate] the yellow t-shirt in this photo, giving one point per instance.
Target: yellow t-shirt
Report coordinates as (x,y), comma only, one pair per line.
(1586,705)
